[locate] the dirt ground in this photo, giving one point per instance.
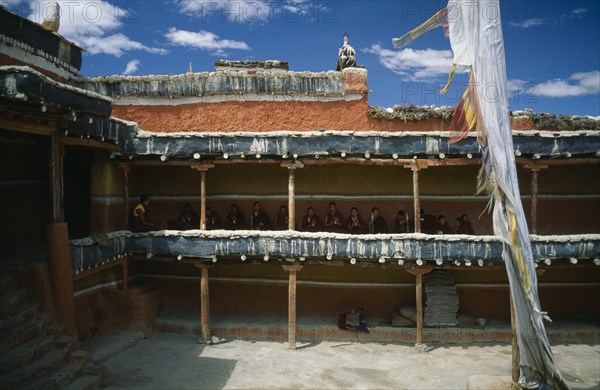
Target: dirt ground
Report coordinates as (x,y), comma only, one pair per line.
(169,361)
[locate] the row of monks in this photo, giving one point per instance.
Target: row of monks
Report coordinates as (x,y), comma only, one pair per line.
(333,221)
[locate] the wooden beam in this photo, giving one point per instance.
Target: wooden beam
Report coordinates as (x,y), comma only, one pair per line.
(544,163)
(27,127)
(293,270)
(424,163)
(204,304)
(89,143)
(100,268)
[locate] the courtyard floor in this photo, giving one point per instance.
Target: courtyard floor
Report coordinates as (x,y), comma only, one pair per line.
(173,361)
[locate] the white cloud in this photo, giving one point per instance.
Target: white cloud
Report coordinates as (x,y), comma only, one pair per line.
(533,22)
(89,24)
(414,64)
(248,11)
(516,86)
(131,67)
(529,23)
(578,84)
(577,13)
(115,44)
(203,40)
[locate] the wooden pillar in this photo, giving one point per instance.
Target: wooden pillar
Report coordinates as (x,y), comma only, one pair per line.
(291,199)
(293,270)
(124,275)
(534,199)
(515,345)
(419,272)
(61,275)
(202,200)
(56,178)
(204,304)
(125,169)
(416,167)
(292,192)
(535,168)
(202,168)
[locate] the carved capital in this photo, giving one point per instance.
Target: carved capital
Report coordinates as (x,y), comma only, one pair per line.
(419,270)
(202,167)
(292,267)
(125,168)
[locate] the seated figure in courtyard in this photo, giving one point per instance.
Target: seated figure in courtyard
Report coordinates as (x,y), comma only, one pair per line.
(355,224)
(403,223)
(442,226)
(235,218)
(139,219)
(189,219)
(334,221)
(213,222)
(282,218)
(311,221)
(259,220)
(376,223)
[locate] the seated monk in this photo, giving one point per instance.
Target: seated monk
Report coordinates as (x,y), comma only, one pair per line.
(282,218)
(428,223)
(442,226)
(259,220)
(376,222)
(355,224)
(235,219)
(466,227)
(334,221)
(139,217)
(189,219)
(457,227)
(402,223)
(311,221)
(213,221)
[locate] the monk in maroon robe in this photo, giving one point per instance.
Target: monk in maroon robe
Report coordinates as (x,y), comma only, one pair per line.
(402,223)
(235,218)
(442,226)
(282,218)
(428,223)
(466,227)
(334,220)
(311,221)
(355,224)
(259,220)
(376,223)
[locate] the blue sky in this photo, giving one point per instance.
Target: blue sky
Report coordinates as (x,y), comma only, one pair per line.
(552,47)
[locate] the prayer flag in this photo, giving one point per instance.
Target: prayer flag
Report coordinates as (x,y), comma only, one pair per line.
(475,33)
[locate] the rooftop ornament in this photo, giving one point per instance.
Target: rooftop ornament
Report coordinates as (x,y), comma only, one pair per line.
(346,55)
(52,20)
